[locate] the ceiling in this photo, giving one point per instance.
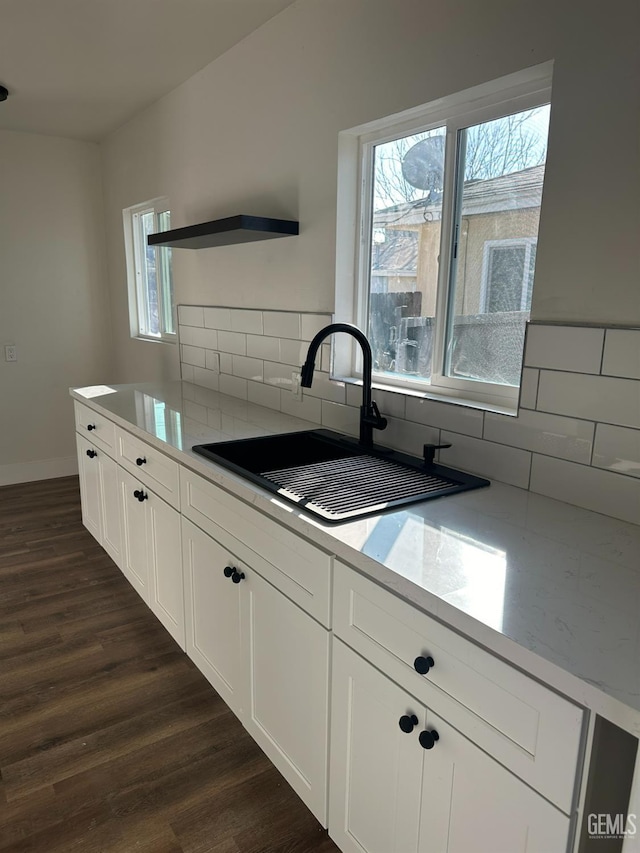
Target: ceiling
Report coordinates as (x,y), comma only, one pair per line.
(82,68)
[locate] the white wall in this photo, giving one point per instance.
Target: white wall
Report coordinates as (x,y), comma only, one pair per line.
(256,132)
(53,298)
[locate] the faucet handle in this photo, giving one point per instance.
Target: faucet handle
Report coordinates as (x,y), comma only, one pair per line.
(429,452)
(381,422)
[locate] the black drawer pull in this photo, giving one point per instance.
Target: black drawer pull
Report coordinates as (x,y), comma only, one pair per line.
(138,493)
(140,460)
(428,739)
(236,577)
(91,426)
(228,571)
(407,723)
(91,454)
(423,664)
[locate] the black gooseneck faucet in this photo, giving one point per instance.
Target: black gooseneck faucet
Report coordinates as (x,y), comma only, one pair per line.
(370,417)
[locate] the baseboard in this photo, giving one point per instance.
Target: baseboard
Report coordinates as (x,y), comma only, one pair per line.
(42,469)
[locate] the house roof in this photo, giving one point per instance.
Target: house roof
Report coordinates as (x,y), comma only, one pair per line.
(515,191)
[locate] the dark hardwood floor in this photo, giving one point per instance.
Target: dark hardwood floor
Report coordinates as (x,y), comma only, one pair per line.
(110,738)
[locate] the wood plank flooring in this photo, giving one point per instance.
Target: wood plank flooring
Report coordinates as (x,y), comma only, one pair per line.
(110,738)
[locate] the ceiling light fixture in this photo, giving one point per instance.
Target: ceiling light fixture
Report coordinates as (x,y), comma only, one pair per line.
(4,93)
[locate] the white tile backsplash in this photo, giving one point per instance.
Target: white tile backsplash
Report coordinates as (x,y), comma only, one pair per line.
(232,342)
(407,436)
(309,408)
(576,438)
(311,324)
(212,361)
(327,389)
(529,388)
(199,337)
(596,398)
(234,386)
(293,352)
(446,416)
(218,318)
(618,449)
(193,355)
(564,348)
(553,435)
(206,378)
(264,395)
(282,324)
(190,315)
(247,368)
(507,464)
(340,417)
(259,346)
(246,321)
(588,487)
(622,353)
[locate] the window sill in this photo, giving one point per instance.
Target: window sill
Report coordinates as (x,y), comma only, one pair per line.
(511,410)
(173,340)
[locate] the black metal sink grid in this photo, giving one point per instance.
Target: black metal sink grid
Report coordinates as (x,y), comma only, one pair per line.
(332,476)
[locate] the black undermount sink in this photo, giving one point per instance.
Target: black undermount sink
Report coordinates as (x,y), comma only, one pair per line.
(333,477)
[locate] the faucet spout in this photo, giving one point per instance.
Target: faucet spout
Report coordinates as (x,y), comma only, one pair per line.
(370,417)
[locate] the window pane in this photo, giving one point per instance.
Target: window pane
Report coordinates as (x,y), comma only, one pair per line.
(405,243)
(150,278)
(498,195)
(166,279)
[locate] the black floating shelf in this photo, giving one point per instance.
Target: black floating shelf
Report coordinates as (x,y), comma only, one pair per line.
(224,232)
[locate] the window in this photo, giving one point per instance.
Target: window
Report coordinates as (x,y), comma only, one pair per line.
(151,304)
(447,200)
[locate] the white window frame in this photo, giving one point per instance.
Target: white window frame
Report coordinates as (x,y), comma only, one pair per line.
(527,243)
(520,91)
(135,251)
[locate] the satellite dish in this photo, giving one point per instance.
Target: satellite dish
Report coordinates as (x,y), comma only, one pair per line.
(422,165)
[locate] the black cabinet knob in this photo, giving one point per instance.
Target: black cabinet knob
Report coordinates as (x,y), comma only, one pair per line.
(407,723)
(423,664)
(428,739)
(138,493)
(236,577)
(228,571)
(140,460)
(91,454)
(91,426)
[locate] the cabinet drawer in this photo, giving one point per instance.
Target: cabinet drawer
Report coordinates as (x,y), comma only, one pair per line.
(298,569)
(521,723)
(150,466)
(95,428)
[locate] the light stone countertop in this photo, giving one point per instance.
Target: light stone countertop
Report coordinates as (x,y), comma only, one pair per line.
(551,588)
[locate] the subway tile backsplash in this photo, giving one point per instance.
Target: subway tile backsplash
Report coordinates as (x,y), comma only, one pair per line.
(576,436)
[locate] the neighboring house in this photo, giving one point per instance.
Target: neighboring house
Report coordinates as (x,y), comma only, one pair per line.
(495,259)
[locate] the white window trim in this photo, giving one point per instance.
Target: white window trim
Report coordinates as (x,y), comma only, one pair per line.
(133,250)
(513,242)
(522,90)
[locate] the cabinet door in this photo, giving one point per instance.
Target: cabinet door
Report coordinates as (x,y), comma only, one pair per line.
(110,503)
(89,471)
(166,597)
(135,562)
(389,792)
(212,614)
(489,811)
(376,768)
(288,668)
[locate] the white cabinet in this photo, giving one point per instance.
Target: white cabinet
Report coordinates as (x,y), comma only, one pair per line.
(99,497)
(392,792)
(287,665)
(212,613)
(152,559)
(266,657)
